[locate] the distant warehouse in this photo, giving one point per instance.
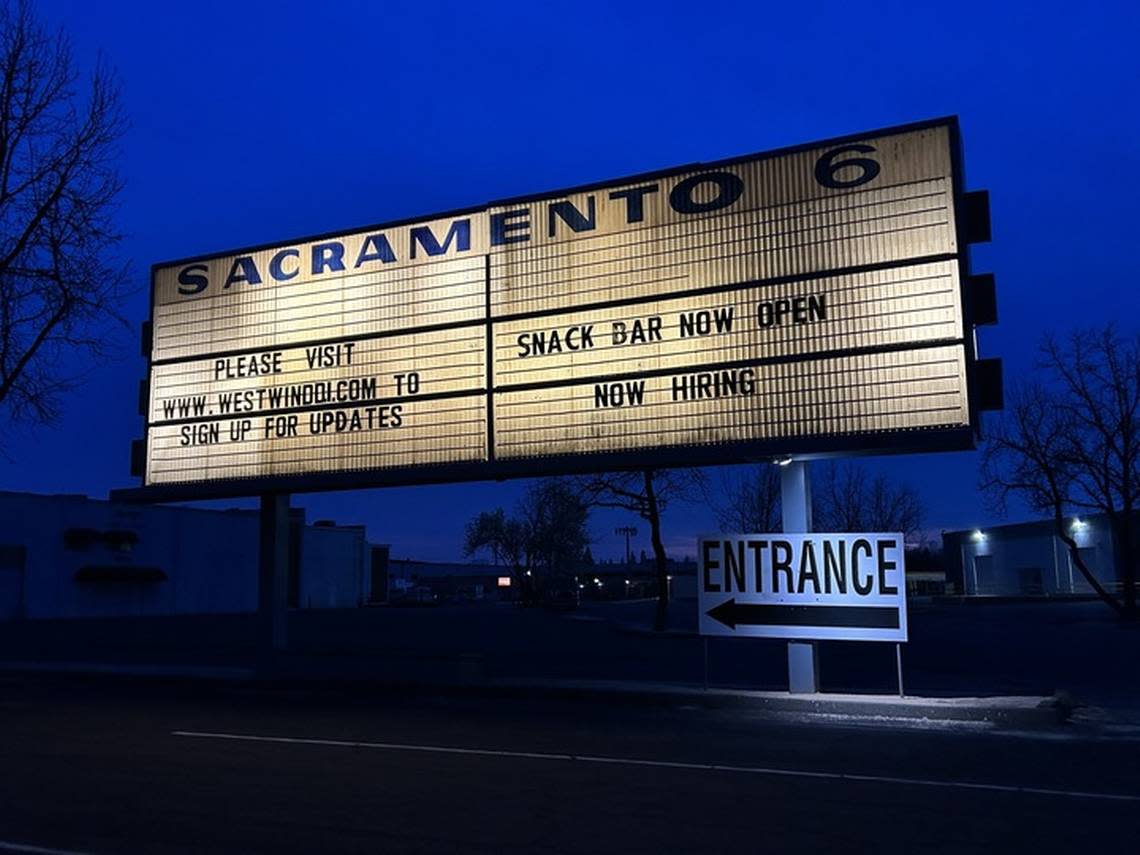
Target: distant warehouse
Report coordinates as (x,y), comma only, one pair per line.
(1028,559)
(73,556)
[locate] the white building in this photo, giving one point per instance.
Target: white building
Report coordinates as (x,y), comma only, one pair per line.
(72,556)
(1028,559)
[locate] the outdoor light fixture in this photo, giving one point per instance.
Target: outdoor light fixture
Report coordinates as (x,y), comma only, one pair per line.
(979,535)
(1079,524)
(783,461)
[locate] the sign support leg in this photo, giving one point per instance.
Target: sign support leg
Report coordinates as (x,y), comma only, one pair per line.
(273,573)
(795,503)
(898,664)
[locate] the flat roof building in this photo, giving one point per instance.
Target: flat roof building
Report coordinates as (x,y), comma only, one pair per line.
(72,556)
(1029,559)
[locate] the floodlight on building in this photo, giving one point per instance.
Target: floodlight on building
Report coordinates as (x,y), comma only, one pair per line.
(1079,524)
(979,535)
(783,461)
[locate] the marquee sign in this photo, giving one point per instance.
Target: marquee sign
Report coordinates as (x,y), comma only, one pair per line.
(803,586)
(808,300)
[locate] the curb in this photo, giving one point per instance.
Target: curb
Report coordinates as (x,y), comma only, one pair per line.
(1021,711)
(1006,711)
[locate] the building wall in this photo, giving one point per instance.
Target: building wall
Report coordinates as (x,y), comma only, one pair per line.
(208,558)
(1028,559)
(334,574)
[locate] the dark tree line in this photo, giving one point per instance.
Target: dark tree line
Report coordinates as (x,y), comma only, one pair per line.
(845,497)
(544,538)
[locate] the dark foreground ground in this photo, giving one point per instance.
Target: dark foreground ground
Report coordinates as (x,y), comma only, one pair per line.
(955,649)
(106,767)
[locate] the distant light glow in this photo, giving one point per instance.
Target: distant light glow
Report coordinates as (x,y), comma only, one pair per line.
(979,535)
(1079,524)
(505,581)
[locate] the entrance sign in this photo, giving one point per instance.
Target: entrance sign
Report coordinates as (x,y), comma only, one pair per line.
(807,300)
(803,586)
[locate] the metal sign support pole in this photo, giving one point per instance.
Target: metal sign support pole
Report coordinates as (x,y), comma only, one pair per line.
(898,663)
(795,503)
(273,573)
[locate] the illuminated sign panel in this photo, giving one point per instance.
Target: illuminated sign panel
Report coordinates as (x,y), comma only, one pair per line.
(879,392)
(813,295)
(809,586)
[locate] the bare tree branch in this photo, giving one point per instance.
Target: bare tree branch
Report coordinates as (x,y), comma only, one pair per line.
(647,494)
(750,502)
(845,499)
(1071,441)
(60,283)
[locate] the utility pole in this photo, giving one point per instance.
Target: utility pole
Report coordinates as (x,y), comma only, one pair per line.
(629,531)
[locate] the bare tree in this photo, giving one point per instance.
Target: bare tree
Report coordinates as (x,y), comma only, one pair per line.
(750,501)
(1069,441)
(647,493)
(546,536)
(847,499)
(59,281)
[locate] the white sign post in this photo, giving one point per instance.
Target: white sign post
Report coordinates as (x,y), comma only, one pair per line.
(796,514)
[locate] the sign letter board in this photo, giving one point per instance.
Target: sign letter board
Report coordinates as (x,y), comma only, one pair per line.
(808,300)
(807,586)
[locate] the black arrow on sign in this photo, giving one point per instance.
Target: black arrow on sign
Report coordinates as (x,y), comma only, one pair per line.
(731,614)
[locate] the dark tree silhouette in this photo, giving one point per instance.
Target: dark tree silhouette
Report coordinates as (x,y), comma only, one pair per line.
(750,501)
(846,498)
(545,537)
(1069,441)
(59,280)
(647,493)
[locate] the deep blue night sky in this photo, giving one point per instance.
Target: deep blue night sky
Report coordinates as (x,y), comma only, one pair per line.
(257,122)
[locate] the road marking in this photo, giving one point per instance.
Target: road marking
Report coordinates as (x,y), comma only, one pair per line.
(668,764)
(8,846)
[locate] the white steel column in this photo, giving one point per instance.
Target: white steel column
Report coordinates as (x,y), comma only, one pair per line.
(795,504)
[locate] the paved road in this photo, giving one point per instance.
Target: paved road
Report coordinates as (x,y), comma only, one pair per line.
(110,767)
